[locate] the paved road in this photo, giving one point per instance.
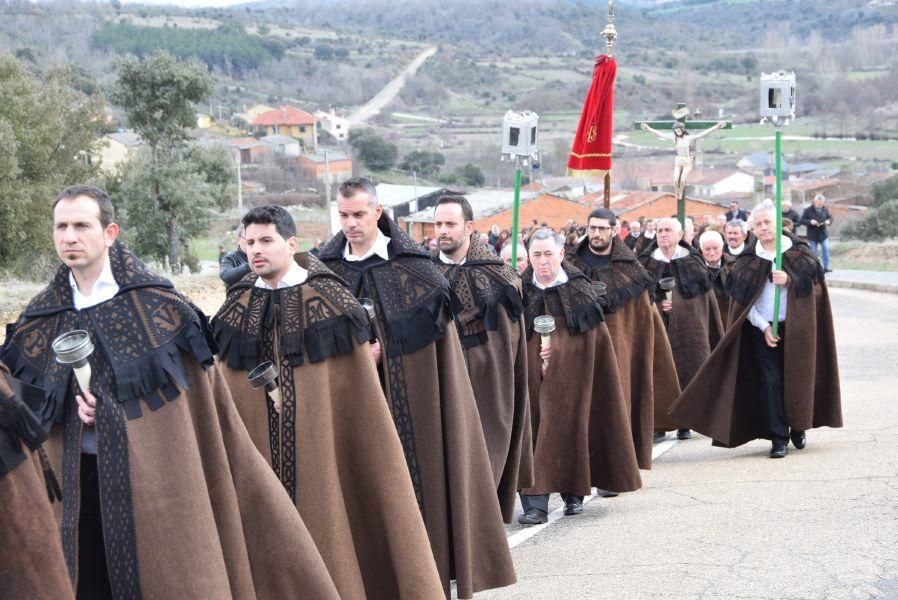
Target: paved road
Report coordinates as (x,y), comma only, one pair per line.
(384,96)
(714,523)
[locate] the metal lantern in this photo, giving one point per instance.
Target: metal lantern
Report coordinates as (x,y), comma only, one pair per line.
(519,136)
(667,284)
(266,376)
(544,325)
(73,348)
(778,97)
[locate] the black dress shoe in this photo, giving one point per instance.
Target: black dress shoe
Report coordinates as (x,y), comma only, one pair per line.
(533,516)
(778,450)
(605,493)
(573,507)
(658,436)
(798,439)
(684,434)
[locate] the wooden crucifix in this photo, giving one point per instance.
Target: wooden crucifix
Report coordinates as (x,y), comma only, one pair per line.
(684,133)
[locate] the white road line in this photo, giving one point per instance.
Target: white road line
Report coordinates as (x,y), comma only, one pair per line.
(519,537)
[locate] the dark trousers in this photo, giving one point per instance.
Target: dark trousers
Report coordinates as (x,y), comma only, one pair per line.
(770,365)
(542,501)
(93,579)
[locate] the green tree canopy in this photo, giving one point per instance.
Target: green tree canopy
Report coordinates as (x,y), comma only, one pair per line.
(47,133)
(377,153)
(168,190)
(423,162)
(470,174)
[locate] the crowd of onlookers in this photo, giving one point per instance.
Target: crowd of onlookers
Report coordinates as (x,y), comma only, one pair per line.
(732,227)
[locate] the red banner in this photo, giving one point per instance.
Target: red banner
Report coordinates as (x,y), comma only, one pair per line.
(591,152)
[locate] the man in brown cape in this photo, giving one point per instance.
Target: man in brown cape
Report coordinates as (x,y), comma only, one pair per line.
(486,299)
(691,315)
(164,494)
(581,427)
(756,385)
(31,560)
(329,437)
(719,264)
(644,358)
(427,389)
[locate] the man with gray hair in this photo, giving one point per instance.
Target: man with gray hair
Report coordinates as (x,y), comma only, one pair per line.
(755,385)
(689,309)
(736,233)
(426,383)
(521,259)
(581,429)
(719,264)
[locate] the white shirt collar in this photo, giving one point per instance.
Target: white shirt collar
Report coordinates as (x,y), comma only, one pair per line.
(559,279)
(294,276)
(737,251)
(759,249)
(105,288)
(446,260)
(379,248)
(680,252)
(650,235)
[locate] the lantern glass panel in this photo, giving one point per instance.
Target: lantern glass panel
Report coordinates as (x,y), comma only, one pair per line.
(514,134)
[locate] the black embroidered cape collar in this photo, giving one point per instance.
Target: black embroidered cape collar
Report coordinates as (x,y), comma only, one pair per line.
(693,277)
(480,287)
(749,271)
(308,328)
(139,333)
(575,301)
(411,296)
(624,276)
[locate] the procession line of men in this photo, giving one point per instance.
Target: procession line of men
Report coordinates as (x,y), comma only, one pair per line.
(415,397)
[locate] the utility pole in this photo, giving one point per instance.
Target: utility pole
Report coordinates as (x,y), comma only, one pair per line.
(239,183)
(332,210)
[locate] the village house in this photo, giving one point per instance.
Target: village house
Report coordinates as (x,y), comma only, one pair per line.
(338,168)
(251,150)
(334,125)
(117,148)
(288,120)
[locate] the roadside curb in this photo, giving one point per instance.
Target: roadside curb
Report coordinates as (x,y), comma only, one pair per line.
(863,285)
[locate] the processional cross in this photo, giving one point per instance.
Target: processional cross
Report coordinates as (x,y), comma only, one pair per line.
(684,134)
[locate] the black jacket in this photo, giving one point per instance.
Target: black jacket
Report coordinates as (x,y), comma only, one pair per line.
(739,214)
(233,267)
(816,233)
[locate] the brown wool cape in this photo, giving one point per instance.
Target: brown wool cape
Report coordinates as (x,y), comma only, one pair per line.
(644,358)
(694,326)
(189,505)
(581,426)
(334,445)
(31,560)
(724,400)
(426,384)
(719,278)
(486,299)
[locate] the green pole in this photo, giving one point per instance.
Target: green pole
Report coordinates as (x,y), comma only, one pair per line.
(681,209)
(514,218)
(778,263)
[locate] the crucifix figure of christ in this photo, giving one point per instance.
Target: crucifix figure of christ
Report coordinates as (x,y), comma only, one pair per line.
(684,134)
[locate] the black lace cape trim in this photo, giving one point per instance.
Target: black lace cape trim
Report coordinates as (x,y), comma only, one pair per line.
(306,332)
(481,287)
(750,272)
(575,300)
(624,277)
(693,277)
(412,297)
(141,333)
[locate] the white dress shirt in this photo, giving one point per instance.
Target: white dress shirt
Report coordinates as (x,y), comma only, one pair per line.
(446,260)
(680,252)
(105,288)
(737,251)
(761,313)
(559,279)
(379,248)
(294,276)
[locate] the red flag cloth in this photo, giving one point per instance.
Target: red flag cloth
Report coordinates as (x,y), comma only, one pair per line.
(591,152)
